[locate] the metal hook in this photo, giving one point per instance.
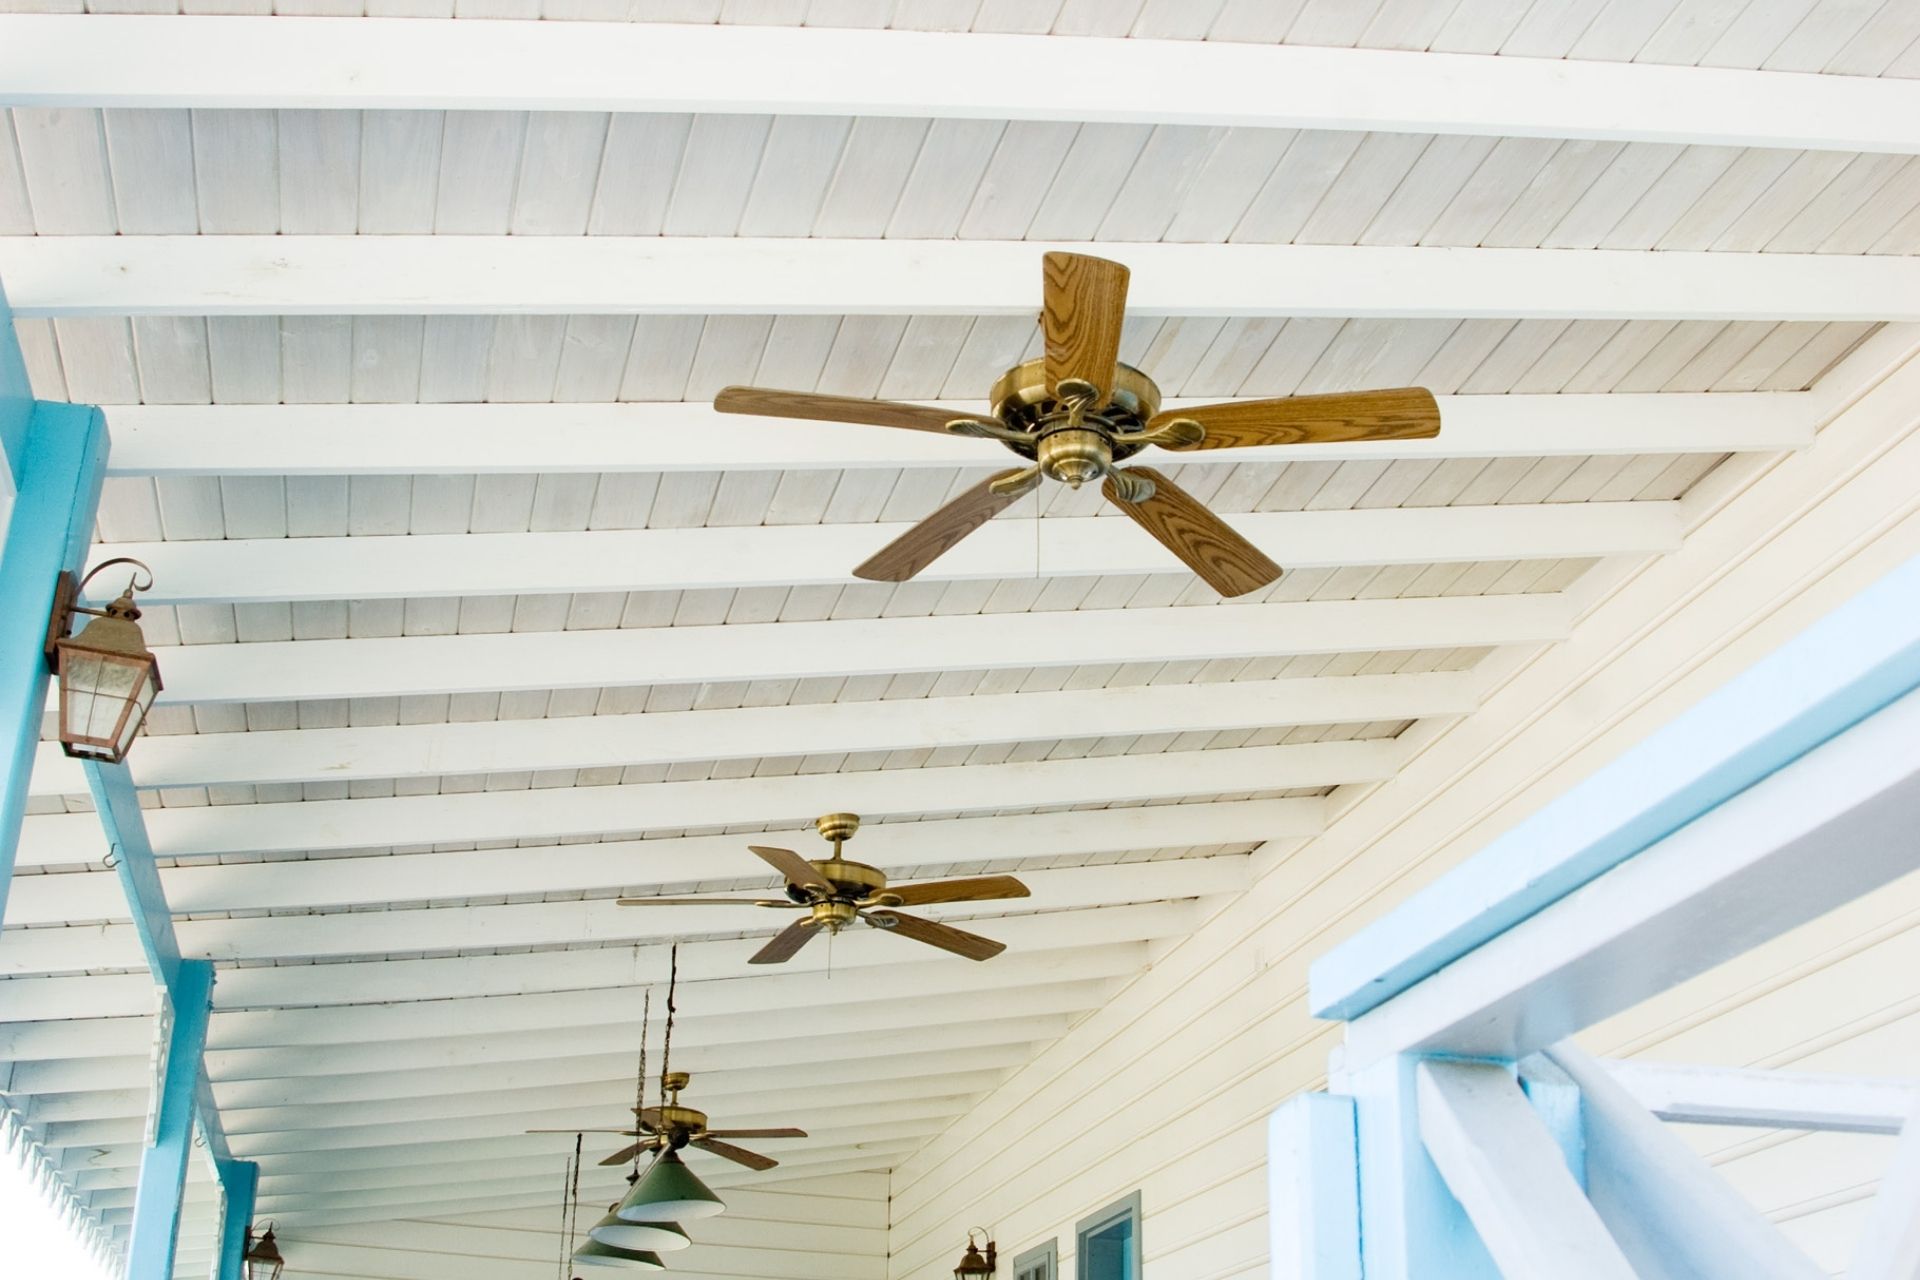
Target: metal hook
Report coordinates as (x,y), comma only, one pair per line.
(111,861)
(133,583)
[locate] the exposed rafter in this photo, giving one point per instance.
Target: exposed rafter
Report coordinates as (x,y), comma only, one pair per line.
(905,847)
(240,275)
(665,737)
(398,63)
(465,439)
(363,933)
(275,670)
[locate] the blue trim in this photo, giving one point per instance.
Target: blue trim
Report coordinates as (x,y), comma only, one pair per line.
(240,1179)
(16,395)
(1853,662)
(118,805)
(64,461)
(163,1166)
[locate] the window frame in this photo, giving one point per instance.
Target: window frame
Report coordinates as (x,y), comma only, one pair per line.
(1047,1254)
(1127,1208)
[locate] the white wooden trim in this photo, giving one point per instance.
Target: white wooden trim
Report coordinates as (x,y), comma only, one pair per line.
(560,812)
(237,275)
(1689,1094)
(274,670)
(1889,1248)
(416,64)
(1829,827)
(1509,1175)
(1667,1209)
(903,848)
(466,439)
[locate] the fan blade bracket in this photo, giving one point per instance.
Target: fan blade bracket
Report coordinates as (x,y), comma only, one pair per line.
(1130,486)
(1174,433)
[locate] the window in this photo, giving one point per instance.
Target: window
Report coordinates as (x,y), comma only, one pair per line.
(1108,1243)
(1039,1263)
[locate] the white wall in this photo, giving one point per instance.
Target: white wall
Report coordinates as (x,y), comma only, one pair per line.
(1166,1089)
(827,1228)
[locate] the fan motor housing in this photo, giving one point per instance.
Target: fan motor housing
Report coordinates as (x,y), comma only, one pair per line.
(1074,454)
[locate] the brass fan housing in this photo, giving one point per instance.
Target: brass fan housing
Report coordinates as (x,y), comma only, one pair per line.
(833,915)
(837,826)
(1069,451)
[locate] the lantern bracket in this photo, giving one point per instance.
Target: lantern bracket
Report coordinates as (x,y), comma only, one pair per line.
(66,600)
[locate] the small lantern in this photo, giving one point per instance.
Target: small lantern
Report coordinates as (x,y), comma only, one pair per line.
(973,1264)
(262,1258)
(108,678)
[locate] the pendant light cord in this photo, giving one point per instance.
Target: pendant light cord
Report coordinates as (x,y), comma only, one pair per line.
(574,1224)
(666,1047)
(569,1176)
(640,1078)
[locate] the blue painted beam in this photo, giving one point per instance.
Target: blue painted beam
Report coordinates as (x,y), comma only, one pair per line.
(16,396)
(1857,660)
(62,461)
(163,1166)
(240,1181)
(118,804)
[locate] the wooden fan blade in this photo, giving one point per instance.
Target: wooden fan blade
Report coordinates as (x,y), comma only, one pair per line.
(979,889)
(795,868)
(765,402)
(702,902)
(739,1155)
(1085,305)
(944,936)
(786,944)
(755,1133)
(1226,561)
(939,533)
(1403,413)
(621,1157)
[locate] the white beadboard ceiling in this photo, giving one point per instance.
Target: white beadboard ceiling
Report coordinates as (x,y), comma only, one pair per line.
(381,821)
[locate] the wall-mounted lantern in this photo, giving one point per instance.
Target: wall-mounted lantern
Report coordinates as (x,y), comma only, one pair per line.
(973,1264)
(262,1257)
(108,678)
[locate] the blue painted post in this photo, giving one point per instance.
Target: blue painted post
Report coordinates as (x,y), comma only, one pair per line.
(57,456)
(239,1181)
(163,1166)
(1411,1227)
(118,804)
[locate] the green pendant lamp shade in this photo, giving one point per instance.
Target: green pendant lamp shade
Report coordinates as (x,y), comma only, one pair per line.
(618,1233)
(667,1192)
(595,1254)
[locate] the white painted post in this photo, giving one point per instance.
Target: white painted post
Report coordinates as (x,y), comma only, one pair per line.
(1313,1206)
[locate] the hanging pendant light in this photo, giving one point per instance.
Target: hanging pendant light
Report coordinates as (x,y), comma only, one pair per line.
(261,1258)
(669,1191)
(622,1233)
(595,1254)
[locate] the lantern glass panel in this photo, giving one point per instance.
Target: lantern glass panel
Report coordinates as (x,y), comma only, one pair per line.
(104,699)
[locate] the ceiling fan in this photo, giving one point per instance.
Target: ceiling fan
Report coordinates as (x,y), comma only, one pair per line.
(1076,413)
(835,892)
(671,1127)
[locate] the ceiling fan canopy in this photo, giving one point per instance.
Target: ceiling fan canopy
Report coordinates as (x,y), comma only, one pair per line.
(835,892)
(1077,413)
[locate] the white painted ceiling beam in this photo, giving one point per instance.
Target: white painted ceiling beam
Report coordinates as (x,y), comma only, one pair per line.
(767,1107)
(371,933)
(560,812)
(469,439)
(217,61)
(385,981)
(237,275)
(731,995)
(904,849)
(666,737)
(865,1158)
(297,669)
(270,570)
